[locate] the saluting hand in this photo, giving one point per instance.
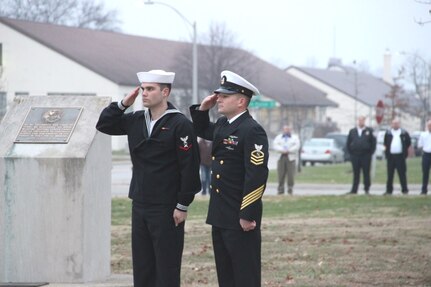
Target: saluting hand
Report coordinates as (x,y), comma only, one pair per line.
(179,216)
(131,97)
(247,225)
(208,102)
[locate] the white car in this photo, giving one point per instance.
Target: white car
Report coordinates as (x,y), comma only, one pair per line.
(322,150)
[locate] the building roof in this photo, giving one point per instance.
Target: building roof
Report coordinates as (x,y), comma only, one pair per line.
(287,89)
(115,56)
(118,57)
(369,89)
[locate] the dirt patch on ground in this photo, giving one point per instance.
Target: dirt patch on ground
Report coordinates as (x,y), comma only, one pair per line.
(313,252)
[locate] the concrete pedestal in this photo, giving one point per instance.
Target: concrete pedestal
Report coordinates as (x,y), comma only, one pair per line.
(55,199)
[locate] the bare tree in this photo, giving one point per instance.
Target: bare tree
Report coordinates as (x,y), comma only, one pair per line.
(418,73)
(397,102)
(219,51)
(223,52)
(76,13)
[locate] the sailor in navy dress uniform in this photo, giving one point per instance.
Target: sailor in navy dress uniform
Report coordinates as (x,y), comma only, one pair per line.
(165,158)
(238,181)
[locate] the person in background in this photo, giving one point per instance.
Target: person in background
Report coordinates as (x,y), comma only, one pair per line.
(424,143)
(397,142)
(287,144)
(165,158)
(205,154)
(361,144)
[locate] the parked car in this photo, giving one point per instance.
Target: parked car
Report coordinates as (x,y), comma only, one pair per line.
(322,150)
(341,140)
(415,139)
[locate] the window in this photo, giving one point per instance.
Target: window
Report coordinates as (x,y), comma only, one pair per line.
(1,54)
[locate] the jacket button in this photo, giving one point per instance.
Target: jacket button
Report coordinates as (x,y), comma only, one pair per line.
(221,162)
(211,186)
(217,190)
(211,172)
(213,158)
(218,176)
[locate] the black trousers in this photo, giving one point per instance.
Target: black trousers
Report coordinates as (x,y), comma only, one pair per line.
(396,162)
(237,257)
(157,246)
(361,162)
(426,165)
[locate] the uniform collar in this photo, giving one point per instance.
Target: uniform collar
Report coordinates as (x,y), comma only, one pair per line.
(170,110)
(235,117)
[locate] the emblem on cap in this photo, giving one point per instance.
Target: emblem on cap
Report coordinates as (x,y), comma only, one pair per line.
(223,80)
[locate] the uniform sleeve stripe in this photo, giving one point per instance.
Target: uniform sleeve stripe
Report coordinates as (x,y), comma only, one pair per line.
(257,196)
(259,193)
(257,190)
(252,197)
(251,200)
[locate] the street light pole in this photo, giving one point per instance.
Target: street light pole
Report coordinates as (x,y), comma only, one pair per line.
(356,92)
(195,98)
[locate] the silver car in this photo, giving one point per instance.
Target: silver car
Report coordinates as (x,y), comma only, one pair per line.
(322,150)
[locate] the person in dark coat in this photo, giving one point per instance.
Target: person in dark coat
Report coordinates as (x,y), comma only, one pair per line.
(397,142)
(361,144)
(239,175)
(165,179)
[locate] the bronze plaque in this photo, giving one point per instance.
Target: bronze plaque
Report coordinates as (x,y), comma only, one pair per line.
(48,125)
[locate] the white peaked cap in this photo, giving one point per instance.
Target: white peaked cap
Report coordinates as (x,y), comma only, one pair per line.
(156,76)
(232,83)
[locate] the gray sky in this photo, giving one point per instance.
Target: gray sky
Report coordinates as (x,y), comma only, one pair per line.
(294,32)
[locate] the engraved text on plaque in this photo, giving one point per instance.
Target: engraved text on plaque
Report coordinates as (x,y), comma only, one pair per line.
(48,125)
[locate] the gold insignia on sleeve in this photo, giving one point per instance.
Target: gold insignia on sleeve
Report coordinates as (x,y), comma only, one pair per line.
(252,196)
(257,156)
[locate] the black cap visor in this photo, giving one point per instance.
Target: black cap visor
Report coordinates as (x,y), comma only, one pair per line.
(232,88)
(222,90)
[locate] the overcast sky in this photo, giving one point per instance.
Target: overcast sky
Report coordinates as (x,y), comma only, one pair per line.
(294,32)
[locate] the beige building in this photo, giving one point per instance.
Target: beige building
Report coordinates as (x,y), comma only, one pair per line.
(47,59)
(356,93)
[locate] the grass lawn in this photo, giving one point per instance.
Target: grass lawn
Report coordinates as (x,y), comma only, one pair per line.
(312,241)
(342,173)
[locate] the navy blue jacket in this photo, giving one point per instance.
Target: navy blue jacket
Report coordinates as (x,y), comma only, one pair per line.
(361,145)
(239,168)
(405,142)
(165,163)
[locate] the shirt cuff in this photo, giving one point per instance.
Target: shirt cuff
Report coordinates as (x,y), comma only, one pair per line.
(181,207)
(121,106)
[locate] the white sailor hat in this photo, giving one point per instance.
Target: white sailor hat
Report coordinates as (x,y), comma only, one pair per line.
(232,83)
(156,76)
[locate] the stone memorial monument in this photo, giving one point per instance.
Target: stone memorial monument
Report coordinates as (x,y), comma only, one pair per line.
(55,191)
